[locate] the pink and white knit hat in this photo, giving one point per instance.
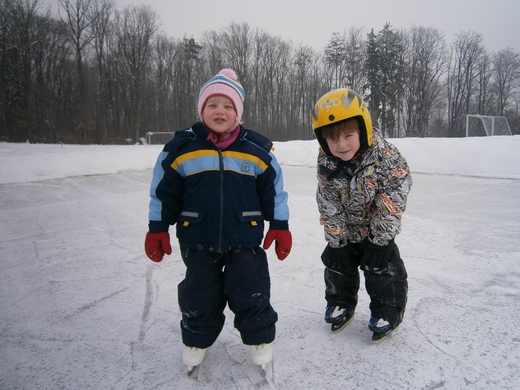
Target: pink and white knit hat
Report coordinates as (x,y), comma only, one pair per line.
(225,83)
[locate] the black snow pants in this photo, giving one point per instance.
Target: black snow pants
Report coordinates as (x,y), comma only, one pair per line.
(239,278)
(388,289)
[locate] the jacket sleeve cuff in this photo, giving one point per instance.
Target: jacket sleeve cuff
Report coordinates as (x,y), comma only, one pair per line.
(380,242)
(279,225)
(158,226)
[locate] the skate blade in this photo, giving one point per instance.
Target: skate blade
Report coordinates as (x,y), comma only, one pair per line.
(267,372)
(341,327)
(266,366)
(377,338)
(191,370)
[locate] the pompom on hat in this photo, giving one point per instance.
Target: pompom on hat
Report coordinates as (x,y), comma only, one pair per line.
(226,84)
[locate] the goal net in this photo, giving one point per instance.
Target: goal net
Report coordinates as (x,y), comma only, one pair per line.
(482,126)
(158,137)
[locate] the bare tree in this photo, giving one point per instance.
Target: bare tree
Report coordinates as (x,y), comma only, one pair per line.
(282,56)
(481,102)
(514,117)
(506,75)
(466,52)
(213,52)
(21,32)
(258,88)
(427,62)
(79,17)
(237,46)
(135,29)
(305,61)
(355,53)
(53,75)
(165,56)
(103,10)
(272,72)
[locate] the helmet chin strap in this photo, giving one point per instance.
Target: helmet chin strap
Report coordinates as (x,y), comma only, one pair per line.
(347,167)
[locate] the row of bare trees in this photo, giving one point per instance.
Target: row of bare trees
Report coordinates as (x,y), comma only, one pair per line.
(95,74)
(417,86)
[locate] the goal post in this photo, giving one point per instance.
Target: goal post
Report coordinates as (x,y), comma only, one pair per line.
(159,137)
(483,125)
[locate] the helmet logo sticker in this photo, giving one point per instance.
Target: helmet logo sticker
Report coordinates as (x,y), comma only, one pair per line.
(329,103)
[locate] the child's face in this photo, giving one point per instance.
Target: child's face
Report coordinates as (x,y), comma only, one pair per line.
(219,114)
(346,146)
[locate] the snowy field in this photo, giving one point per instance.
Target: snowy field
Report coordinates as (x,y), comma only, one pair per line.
(83,308)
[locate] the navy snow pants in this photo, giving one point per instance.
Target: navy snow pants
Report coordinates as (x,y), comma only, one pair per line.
(388,290)
(239,278)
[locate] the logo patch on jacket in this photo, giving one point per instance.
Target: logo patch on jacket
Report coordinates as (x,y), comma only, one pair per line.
(245,167)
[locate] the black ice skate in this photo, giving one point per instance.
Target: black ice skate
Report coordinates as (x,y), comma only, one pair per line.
(382,328)
(339,317)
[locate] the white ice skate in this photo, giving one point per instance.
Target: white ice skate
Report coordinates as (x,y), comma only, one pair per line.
(192,357)
(261,354)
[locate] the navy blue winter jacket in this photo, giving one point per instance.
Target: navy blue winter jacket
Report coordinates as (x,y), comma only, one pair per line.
(219,199)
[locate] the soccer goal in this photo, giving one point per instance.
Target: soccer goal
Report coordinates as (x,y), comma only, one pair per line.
(482,126)
(158,137)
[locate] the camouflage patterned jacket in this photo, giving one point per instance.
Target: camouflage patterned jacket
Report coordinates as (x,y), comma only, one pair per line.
(367,202)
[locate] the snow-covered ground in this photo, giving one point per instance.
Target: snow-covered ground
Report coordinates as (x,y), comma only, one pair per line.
(83,308)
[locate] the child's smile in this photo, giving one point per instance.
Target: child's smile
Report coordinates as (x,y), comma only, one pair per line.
(345,147)
(219,116)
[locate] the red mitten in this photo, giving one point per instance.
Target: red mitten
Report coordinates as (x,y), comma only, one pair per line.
(283,242)
(156,245)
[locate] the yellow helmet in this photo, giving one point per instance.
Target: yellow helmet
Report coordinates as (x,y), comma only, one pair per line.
(338,105)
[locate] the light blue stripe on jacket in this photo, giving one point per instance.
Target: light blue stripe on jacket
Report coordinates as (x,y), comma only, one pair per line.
(154,213)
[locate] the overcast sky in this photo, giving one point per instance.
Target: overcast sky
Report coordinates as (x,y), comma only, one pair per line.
(312,23)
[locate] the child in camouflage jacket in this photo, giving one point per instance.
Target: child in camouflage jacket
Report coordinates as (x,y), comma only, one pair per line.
(363,183)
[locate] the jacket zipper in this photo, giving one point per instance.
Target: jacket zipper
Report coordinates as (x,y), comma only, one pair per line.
(221,220)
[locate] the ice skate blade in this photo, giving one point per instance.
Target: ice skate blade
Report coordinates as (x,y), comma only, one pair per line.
(267,373)
(377,338)
(191,370)
(335,328)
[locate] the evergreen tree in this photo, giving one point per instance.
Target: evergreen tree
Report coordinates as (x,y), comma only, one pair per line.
(373,77)
(386,72)
(335,57)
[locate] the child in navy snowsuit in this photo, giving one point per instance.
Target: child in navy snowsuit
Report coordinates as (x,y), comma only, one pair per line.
(218,182)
